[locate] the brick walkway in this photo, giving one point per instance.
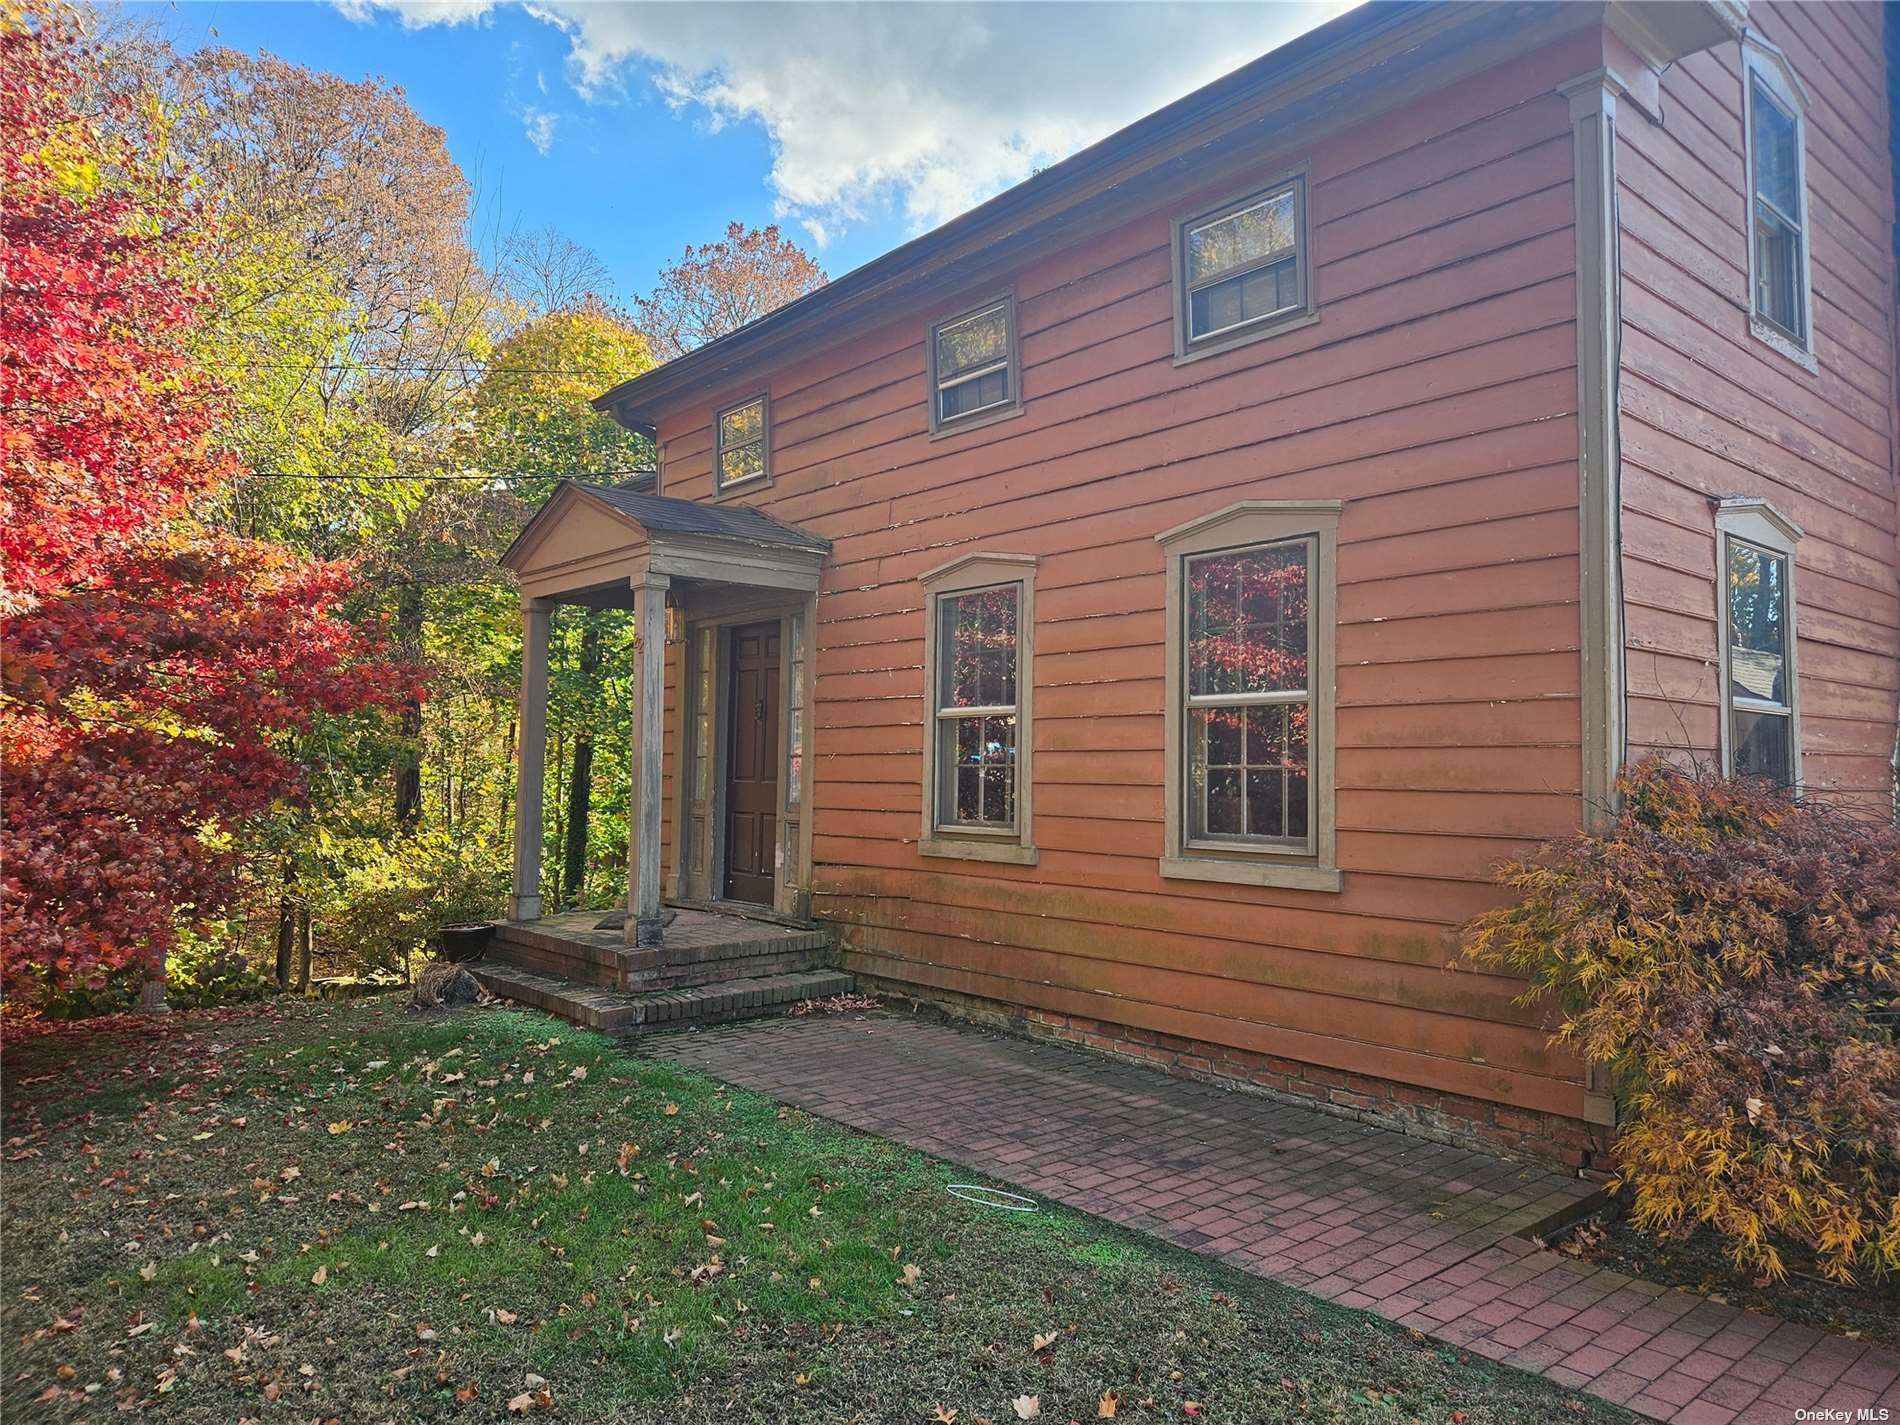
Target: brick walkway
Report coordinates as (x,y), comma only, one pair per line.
(1423,1234)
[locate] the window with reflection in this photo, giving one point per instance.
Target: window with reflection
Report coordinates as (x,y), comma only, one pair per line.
(1243,265)
(971,365)
(977,706)
(1249,702)
(740,453)
(1760,701)
(1775,178)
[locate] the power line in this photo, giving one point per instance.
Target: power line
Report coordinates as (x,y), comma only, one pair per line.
(414,368)
(503,477)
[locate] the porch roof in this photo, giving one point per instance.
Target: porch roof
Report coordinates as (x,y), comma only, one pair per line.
(662,514)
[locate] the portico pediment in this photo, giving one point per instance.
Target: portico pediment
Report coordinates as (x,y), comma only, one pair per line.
(588,539)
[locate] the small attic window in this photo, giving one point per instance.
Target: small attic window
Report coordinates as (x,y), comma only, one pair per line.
(742,451)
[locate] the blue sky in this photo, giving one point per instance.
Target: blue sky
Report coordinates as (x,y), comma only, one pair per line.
(638,128)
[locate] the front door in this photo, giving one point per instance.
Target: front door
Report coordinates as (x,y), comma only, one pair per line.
(752,764)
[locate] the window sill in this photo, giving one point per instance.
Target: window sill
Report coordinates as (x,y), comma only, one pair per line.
(1301,877)
(742,487)
(1007,852)
(1214,346)
(959,424)
(1768,334)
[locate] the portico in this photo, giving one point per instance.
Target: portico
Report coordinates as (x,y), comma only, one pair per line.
(723,601)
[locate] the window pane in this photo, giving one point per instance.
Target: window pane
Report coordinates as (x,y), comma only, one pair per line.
(741,462)
(742,424)
(1247,772)
(795,715)
(977,777)
(980,340)
(1244,298)
(1776,155)
(702,715)
(1761,745)
(1246,621)
(1778,272)
(1241,238)
(976,394)
(976,649)
(1757,621)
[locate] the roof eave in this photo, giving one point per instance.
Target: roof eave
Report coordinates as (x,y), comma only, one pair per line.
(634,402)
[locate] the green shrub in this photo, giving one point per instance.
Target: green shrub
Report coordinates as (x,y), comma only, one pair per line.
(1733,955)
(393,899)
(199,974)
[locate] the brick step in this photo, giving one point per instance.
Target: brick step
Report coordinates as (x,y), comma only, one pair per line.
(593,947)
(632,1014)
(684,968)
(559,961)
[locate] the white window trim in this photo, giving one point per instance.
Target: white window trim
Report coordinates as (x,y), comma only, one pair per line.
(1763,62)
(1305,313)
(963,576)
(1752,520)
(989,415)
(1246,525)
(750,482)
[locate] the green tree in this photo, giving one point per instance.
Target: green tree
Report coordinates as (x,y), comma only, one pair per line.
(533,422)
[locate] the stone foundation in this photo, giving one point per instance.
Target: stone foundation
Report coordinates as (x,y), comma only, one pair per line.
(1422,1113)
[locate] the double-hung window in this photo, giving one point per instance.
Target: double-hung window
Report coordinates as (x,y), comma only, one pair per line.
(742,444)
(1760,707)
(1250,695)
(973,367)
(1780,301)
(1241,270)
(979,680)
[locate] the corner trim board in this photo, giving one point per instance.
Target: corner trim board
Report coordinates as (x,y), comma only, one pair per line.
(1593,97)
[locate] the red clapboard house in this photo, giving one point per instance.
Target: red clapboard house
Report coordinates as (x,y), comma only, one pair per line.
(1147,607)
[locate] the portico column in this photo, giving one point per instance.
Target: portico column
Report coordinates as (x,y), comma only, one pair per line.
(531,747)
(643,822)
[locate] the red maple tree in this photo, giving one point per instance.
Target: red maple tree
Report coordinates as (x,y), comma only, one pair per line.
(154,672)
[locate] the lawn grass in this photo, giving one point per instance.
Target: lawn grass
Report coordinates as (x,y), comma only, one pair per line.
(316,1212)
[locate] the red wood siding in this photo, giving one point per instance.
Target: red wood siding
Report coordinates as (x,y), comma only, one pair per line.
(1436,397)
(1707,410)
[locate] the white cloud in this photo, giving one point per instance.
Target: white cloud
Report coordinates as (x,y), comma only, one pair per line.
(417,14)
(922,109)
(539,124)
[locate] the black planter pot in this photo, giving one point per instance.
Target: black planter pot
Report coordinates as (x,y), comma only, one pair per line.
(463,943)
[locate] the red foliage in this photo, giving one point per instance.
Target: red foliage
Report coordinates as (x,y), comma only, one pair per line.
(151,669)
(103,431)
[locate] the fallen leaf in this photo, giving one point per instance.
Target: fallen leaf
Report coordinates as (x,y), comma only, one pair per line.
(1106,1407)
(320,1276)
(670,1110)
(148,1271)
(911,1272)
(1192,1407)
(944,1417)
(1027,1407)
(342,1125)
(1042,1342)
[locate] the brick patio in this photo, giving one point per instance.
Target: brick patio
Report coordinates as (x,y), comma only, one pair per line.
(1421,1233)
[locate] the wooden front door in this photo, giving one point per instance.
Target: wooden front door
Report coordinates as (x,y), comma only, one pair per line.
(752,763)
